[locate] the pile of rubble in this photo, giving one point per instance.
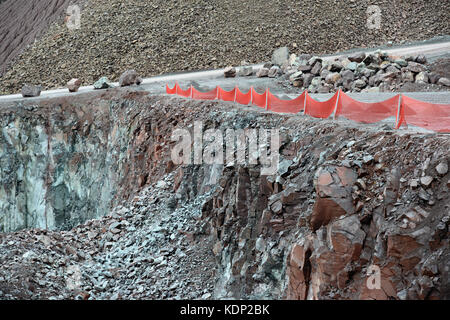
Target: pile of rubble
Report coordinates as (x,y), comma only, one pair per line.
(146,249)
(359,72)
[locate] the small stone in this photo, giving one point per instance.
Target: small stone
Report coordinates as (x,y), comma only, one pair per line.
(102,83)
(357,57)
(246,71)
(414,183)
(206,296)
(421,59)
(274,72)
(426,181)
(229,72)
(444,82)
(332,78)
(422,77)
(128,78)
(401,62)
(262,72)
(73,85)
(31,91)
(442,168)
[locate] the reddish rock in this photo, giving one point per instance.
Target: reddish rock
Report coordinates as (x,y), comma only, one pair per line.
(73,85)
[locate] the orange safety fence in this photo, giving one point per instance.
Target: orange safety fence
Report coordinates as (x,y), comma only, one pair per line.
(171,90)
(320,109)
(259,99)
(430,116)
(210,95)
(243,98)
(226,95)
(276,104)
(366,112)
(183,93)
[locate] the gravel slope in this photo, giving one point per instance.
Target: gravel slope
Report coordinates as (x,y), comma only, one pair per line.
(34,16)
(158,36)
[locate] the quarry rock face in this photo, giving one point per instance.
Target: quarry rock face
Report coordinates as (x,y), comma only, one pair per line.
(348,215)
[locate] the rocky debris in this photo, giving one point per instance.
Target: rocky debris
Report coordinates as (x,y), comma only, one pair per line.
(174,233)
(128,78)
(73,85)
(31,90)
(117,35)
(359,72)
(102,83)
(229,72)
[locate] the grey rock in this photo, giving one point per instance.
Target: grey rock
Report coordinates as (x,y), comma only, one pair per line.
(421,59)
(357,57)
(335,66)
(274,72)
(426,181)
(444,82)
(415,67)
(262,72)
(246,71)
(401,62)
(433,77)
(307,78)
(102,83)
(422,77)
(229,72)
(316,68)
(352,66)
(442,168)
(128,78)
(31,91)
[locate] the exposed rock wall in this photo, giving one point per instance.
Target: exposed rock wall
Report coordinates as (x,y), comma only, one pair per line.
(63,163)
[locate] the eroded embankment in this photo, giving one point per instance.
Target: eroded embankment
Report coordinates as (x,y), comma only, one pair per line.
(346,199)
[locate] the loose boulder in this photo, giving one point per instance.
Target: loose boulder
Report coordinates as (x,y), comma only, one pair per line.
(73,85)
(102,83)
(229,72)
(262,72)
(128,78)
(31,91)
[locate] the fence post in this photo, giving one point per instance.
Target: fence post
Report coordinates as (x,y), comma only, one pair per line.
(267,98)
(251,95)
(176,87)
(335,107)
(192,92)
(217,92)
(235,92)
(397,124)
(304,102)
